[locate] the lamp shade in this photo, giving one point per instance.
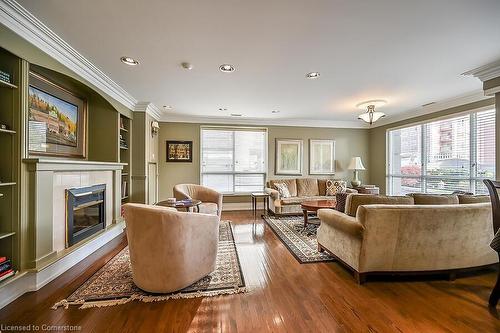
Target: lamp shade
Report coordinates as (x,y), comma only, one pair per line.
(356,164)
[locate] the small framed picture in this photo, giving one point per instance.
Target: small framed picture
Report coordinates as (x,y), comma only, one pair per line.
(179,151)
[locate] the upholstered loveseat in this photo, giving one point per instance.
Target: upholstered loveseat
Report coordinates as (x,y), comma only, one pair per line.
(301,189)
(408,234)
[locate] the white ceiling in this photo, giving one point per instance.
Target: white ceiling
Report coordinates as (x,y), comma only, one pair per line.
(407,52)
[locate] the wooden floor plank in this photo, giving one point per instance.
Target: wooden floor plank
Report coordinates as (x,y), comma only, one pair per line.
(284,296)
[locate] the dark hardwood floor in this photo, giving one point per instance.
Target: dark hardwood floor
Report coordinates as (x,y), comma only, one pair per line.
(285,296)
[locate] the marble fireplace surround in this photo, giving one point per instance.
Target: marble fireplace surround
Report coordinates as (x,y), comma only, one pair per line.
(48,180)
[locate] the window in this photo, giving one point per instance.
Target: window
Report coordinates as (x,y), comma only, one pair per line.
(234,160)
(443,156)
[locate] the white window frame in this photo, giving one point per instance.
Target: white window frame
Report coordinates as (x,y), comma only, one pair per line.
(234,173)
(423,150)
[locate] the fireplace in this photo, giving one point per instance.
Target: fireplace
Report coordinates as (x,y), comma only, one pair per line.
(85,212)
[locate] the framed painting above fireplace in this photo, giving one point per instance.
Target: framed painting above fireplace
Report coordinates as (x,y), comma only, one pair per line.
(56,119)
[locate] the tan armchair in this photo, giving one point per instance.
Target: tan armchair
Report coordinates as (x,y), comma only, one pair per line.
(170,250)
(211,199)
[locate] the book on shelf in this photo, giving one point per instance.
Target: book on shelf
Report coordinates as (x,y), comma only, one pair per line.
(5,77)
(124,188)
(2,259)
(121,123)
(5,266)
(7,274)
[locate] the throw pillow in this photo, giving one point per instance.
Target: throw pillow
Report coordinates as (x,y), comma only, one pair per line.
(282,190)
(335,186)
(341,199)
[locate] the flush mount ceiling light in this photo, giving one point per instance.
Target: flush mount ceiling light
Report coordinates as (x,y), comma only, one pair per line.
(275,111)
(371,116)
(226,68)
(129,61)
(222,109)
(312,75)
(236,115)
(167,107)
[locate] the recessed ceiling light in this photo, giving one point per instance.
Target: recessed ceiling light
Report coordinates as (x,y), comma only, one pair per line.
(167,107)
(275,111)
(222,109)
(226,68)
(129,61)
(236,115)
(187,65)
(312,75)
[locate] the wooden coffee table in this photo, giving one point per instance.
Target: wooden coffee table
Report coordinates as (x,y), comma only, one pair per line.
(182,204)
(313,206)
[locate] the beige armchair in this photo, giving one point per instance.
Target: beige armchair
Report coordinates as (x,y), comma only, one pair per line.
(211,199)
(170,250)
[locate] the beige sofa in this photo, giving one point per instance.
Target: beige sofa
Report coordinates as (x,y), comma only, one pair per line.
(170,250)
(211,199)
(301,189)
(378,234)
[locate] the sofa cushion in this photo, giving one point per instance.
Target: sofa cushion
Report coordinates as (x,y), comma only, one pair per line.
(355,200)
(470,199)
(282,190)
(434,199)
(335,186)
(307,187)
(290,183)
(299,200)
(208,208)
(322,186)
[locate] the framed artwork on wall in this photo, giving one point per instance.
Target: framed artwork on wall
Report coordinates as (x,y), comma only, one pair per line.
(321,157)
(56,120)
(179,151)
(288,157)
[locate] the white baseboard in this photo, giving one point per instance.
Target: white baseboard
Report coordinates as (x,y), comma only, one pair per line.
(34,280)
(239,206)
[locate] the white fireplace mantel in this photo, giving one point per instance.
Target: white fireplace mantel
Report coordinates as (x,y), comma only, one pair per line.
(46,184)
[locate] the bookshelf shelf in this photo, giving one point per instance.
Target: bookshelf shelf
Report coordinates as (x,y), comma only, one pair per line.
(6,234)
(7,131)
(8,184)
(7,85)
(124,145)
(123,129)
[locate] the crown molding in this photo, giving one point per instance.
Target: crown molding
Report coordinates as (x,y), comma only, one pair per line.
(26,25)
(486,72)
(471,97)
(149,108)
(175,118)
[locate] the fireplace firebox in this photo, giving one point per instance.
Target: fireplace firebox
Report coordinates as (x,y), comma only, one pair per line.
(85,212)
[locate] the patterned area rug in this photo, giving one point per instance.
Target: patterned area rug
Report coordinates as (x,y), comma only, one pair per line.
(302,243)
(113,285)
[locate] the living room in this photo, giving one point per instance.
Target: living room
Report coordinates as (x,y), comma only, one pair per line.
(249,166)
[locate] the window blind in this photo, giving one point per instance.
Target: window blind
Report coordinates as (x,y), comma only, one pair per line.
(234,160)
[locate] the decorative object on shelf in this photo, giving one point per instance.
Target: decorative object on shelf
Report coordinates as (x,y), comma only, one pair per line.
(124,188)
(371,116)
(155,128)
(288,157)
(122,126)
(57,119)
(123,142)
(179,151)
(4,127)
(321,157)
(5,77)
(356,164)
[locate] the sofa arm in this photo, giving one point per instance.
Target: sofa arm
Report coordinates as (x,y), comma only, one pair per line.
(341,221)
(275,195)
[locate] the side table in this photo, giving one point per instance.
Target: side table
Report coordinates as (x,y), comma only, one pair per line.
(255,196)
(367,190)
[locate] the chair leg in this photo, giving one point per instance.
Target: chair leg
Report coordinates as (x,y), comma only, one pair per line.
(495,293)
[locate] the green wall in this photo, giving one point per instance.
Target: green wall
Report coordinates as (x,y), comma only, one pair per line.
(348,143)
(377,139)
